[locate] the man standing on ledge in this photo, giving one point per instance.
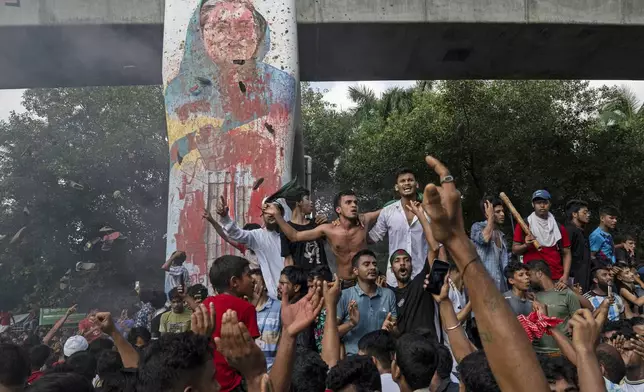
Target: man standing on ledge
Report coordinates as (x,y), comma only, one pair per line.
(552,237)
(490,240)
(346,238)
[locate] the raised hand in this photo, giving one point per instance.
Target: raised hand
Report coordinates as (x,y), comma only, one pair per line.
(202,321)
(271,209)
(489,210)
(585,331)
(207,215)
(443,204)
(239,348)
(222,207)
(298,316)
(71,310)
(381,281)
(331,292)
(354,313)
(415,207)
(389,324)
(105,322)
(321,219)
(444,293)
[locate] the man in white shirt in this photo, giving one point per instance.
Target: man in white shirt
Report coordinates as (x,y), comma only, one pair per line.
(380,346)
(402,226)
(265,242)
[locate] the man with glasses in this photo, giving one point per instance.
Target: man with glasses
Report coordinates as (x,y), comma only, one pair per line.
(578,216)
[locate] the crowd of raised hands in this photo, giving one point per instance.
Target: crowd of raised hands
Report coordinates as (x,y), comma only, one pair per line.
(507,361)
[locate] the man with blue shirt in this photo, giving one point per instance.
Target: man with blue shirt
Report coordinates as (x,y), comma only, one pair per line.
(602,247)
(490,240)
(269,319)
(364,307)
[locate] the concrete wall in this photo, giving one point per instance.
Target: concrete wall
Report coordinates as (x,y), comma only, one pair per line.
(72,12)
(50,43)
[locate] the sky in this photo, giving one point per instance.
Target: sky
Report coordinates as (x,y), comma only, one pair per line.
(336,92)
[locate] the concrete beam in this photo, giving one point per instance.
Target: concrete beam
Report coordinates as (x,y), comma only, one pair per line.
(47,43)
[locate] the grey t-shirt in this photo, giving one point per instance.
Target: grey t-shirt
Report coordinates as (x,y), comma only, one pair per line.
(518,305)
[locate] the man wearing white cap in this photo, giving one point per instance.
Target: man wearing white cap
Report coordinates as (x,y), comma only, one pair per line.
(74,345)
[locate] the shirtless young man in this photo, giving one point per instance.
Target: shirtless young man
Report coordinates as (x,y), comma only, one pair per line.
(346,238)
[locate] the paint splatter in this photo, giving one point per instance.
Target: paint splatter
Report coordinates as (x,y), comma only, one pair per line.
(239,62)
(257,183)
(269,128)
(242,87)
(204,81)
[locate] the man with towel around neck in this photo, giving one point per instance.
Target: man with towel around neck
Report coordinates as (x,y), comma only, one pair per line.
(551,236)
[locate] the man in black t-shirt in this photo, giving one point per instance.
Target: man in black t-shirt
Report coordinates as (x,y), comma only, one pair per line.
(415,304)
(578,217)
(307,254)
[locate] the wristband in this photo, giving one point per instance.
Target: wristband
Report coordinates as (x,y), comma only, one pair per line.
(453,328)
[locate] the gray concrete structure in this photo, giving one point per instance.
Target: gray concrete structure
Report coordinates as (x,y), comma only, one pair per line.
(47,43)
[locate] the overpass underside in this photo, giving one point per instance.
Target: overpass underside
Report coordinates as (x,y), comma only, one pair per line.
(130,54)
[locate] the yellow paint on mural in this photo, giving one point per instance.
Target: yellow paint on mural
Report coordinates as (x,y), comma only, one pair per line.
(178,129)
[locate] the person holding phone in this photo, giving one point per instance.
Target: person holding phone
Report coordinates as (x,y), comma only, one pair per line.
(415,305)
(602,289)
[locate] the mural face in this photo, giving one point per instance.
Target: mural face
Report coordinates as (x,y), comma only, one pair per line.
(229,113)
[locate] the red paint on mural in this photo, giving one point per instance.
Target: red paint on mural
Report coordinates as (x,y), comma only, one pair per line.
(184,111)
(190,236)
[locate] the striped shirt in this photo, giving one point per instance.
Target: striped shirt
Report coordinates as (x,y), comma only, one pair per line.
(269,323)
(614,311)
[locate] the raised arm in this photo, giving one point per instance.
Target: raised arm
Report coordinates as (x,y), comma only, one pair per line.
(230,226)
(173,256)
(331,339)
(220,230)
(458,341)
(370,218)
(292,234)
(129,355)
(507,348)
(58,324)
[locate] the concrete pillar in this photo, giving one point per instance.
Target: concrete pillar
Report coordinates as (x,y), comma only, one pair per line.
(231,77)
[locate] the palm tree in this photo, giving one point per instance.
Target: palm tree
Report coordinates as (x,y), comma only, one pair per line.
(622,109)
(364,98)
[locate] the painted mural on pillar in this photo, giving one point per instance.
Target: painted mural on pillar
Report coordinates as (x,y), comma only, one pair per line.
(231,76)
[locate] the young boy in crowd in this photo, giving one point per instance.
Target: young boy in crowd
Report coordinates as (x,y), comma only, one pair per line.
(230,277)
(177,273)
(519,282)
(178,319)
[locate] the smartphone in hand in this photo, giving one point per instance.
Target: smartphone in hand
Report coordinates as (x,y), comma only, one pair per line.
(437,275)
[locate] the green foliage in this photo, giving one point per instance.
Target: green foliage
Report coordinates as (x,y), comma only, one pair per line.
(510,136)
(107,140)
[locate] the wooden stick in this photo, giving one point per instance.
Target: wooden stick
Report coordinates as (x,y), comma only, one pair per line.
(517,216)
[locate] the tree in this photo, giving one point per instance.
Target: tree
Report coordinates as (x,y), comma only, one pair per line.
(623,108)
(78,160)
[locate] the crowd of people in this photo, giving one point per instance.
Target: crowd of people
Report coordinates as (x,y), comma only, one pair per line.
(554,310)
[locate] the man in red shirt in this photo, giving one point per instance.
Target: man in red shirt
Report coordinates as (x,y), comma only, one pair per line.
(230,276)
(551,236)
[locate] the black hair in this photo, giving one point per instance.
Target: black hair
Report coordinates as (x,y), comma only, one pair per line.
(492,199)
(475,373)
(573,206)
(120,381)
(309,371)
(539,266)
(404,170)
(38,356)
(511,268)
(357,256)
(251,226)
(174,294)
(171,363)
(179,260)
(427,333)
(380,345)
(614,367)
(416,357)
(321,271)
(108,362)
(356,370)
(608,210)
(626,237)
(62,382)
(338,198)
(296,275)
(557,368)
(256,271)
(445,362)
(14,365)
(198,289)
(453,266)
(225,268)
(100,344)
(83,363)
(139,332)
(292,200)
